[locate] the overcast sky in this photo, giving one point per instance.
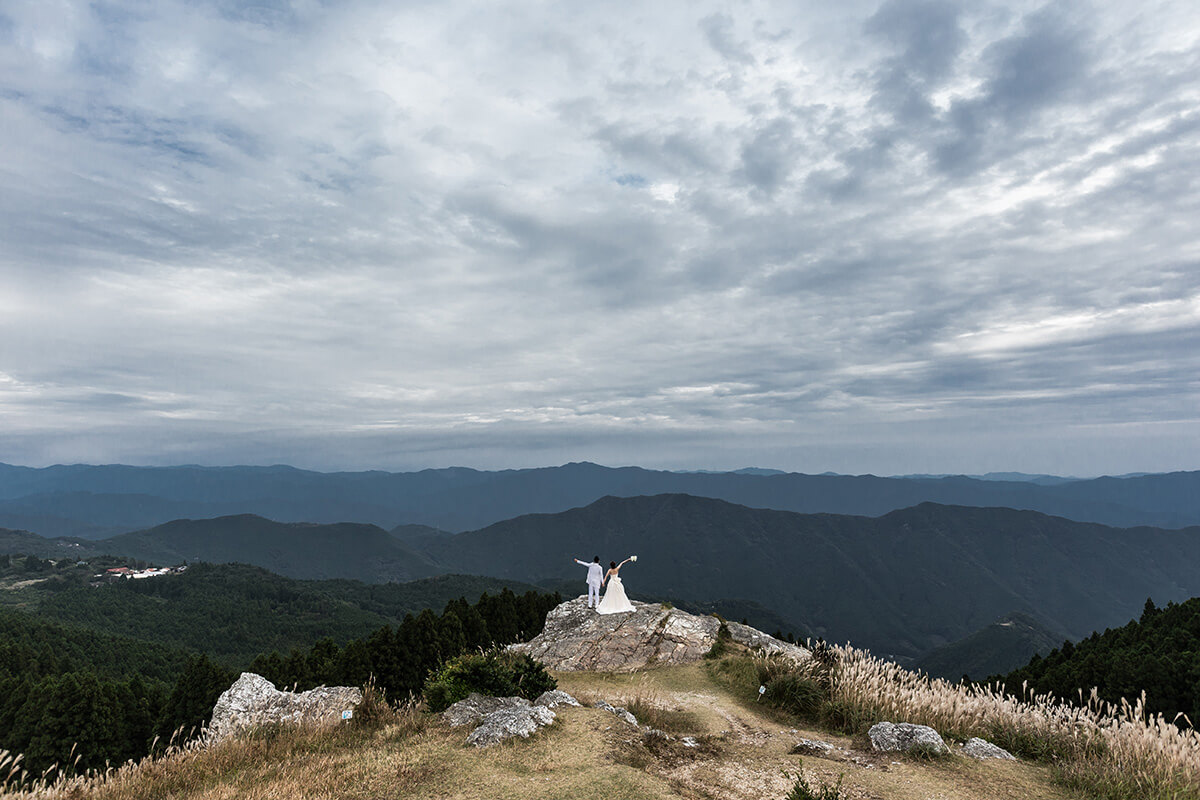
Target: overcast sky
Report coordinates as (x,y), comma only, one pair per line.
(908,237)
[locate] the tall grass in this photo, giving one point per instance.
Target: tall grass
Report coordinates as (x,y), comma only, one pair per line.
(1109,750)
(189,766)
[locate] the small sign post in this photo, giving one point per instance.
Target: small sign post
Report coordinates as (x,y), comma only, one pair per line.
(761,691)
(347,714)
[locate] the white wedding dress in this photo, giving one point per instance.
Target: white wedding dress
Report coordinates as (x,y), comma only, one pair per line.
(614,600)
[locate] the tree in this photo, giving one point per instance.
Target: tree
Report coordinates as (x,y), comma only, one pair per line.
(190,704)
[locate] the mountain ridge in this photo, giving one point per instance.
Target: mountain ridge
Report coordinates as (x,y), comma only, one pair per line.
(903,583)
(97,501)
(844,576)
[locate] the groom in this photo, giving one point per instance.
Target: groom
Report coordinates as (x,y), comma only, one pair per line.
(595,579)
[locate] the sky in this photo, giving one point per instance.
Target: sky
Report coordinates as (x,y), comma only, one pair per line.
(887,237)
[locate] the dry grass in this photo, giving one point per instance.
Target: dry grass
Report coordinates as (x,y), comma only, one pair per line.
(291,759)
(648,703)
(1108,751)
(403,754)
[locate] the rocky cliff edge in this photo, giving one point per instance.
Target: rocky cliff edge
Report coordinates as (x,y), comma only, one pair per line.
(577,638)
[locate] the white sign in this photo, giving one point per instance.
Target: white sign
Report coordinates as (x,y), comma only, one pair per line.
(348,714)
(761,691)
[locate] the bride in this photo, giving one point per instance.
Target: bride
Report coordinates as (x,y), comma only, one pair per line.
(615,601)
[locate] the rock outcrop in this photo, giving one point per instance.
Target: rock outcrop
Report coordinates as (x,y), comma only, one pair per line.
(906,737)
(555,698)
(505,723)
(982,748)
(577,638)
(253,700)
(475,707)
(499,718)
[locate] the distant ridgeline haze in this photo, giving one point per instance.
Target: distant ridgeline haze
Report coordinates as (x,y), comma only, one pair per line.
(99,501)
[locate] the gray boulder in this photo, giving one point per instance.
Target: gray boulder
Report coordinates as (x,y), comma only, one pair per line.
(516,720)
(253,700)
(905,737)
(982,748)
(576,638)
(554,698)
(475,707)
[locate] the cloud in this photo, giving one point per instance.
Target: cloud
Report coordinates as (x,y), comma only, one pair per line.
(870,237)
(719,33)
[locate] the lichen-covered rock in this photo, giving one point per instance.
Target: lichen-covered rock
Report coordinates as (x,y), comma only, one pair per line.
(505,723)
(618,710)
(555,698)
(253,700)
(472,709)
(982,748)
(905,737)
(576,638)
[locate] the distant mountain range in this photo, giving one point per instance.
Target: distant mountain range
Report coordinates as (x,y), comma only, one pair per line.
(901,584)
(100,501)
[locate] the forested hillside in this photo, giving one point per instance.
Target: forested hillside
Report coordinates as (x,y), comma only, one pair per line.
(67,691)
(230,612)
(298,550)
(900,584)
(1158,653)
(1004,645)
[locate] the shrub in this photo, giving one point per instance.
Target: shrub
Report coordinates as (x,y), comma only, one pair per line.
(499,673)
(803,790)
(721,645)
(845,717)
(796,694)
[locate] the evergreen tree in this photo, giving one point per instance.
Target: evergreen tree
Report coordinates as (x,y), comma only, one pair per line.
(451,638)
(354,664)
(190,704)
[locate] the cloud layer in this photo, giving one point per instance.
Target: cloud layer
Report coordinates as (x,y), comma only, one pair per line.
(916,236)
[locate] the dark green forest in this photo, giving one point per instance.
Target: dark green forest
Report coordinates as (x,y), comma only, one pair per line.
(80,697)
(1159,653)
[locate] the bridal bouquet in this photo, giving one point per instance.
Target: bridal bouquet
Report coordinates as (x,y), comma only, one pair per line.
(633,558)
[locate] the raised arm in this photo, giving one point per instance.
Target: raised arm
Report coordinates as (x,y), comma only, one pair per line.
(623,563)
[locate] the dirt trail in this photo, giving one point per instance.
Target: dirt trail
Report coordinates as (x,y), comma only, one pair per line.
(754,756)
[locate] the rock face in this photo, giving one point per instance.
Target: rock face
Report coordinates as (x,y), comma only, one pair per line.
(982,748)
(577,638)
(903,737)
(253,700)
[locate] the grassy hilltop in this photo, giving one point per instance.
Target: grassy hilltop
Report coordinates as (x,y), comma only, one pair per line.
(743,755)
(743,749)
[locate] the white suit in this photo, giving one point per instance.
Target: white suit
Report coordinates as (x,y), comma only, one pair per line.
(594,579)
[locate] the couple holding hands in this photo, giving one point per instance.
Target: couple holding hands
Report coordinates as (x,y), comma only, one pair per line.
(614,601)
